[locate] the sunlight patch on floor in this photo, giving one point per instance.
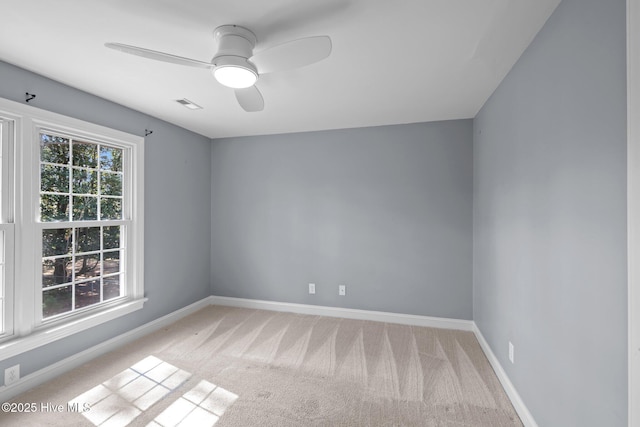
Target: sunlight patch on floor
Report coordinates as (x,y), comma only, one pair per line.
(122,398)
(202,406)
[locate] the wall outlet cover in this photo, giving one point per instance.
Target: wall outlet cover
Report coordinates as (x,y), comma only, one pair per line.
(11,375)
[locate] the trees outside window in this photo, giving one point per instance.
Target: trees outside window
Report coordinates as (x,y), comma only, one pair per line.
(80,181)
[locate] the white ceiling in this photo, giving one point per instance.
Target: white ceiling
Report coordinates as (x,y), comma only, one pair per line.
(392,62)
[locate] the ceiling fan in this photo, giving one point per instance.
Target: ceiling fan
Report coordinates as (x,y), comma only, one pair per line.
(236,66)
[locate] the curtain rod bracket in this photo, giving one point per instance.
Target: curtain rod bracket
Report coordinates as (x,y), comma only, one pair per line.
(147,132)
(29,96)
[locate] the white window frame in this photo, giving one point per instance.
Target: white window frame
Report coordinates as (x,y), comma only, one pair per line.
(29,329)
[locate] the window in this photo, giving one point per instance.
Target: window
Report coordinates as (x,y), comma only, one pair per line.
(78,251)
(81,183)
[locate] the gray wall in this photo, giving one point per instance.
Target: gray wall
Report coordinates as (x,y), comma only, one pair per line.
(177,204)
(385,210)
(550,218)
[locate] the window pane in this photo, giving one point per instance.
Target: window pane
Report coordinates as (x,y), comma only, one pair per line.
(111,262)
(54,149)
(56,301)
(110,184)
(85,208)
(85,154)
(110,208)
(87,239)
(85,181)
(56,242)
(54,207)
(111,237)
(54,178)
(87,266)
(56,271)
(111,159)
(111,287)
(87,293)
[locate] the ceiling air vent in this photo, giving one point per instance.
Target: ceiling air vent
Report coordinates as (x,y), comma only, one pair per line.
(190,105)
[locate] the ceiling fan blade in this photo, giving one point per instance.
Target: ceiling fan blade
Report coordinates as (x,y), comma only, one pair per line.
(293,54)
(158,56)
(250,99)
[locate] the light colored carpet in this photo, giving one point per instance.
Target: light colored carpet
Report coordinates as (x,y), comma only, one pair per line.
(227,366)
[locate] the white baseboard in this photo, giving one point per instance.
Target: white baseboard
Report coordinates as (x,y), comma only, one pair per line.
(347,313)
(509,388)
(39,377)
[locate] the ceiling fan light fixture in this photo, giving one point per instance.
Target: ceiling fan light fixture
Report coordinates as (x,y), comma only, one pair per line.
(235,77)
(234,71)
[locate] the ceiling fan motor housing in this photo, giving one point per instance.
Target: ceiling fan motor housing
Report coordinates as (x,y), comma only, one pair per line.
(234,46)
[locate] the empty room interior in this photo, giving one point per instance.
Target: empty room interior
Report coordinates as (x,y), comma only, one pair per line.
(298,213)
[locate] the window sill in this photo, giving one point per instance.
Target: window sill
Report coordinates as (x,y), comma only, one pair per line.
(42,337)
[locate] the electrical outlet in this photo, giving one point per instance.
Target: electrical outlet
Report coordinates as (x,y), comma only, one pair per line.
(342,290)
(511,352)
(312,288)
(11,375)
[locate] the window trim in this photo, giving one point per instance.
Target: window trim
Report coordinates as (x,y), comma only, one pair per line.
(28,332)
